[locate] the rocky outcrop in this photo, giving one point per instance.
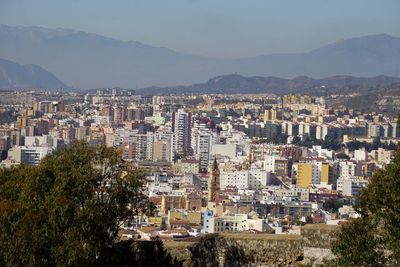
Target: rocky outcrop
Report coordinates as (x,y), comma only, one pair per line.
(310,248)
(318,235)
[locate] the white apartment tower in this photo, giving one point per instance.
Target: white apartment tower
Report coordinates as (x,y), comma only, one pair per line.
(202,143)
(181,126)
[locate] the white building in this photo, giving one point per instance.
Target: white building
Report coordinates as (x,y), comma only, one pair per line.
(143,146)
(181,126)
(348,169)
(382,156)
(322,152)
(227,150)
(247,179)
(166,137)
(43,141)
(295,193)
(269,163)
(236,223)
(138,146)
(360,155)
(28,155)
(350,186)
(202,142)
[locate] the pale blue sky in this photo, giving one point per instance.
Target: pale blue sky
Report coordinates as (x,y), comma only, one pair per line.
(218,28)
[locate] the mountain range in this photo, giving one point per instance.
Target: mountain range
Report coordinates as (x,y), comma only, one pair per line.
(235,83)
(86,60)
(13,75)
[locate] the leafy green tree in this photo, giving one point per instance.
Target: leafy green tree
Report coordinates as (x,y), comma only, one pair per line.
(374,238)
(67,211)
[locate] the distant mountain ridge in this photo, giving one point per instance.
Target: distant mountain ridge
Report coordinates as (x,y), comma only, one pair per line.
(15,76)
(88,60)
(235,83)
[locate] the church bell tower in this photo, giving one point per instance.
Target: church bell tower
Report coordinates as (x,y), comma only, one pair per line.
(214,183)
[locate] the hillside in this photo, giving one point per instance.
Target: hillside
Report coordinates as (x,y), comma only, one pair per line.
(235,83)
(13,75)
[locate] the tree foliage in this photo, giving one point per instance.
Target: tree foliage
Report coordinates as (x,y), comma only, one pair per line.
(374,238)
(215,250)
(67,211)
(353,145)
(139,253)
(332,205)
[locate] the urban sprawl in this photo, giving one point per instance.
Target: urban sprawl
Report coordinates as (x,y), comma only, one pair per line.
(214,163)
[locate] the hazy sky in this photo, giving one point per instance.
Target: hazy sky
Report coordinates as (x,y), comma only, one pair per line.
(218,28)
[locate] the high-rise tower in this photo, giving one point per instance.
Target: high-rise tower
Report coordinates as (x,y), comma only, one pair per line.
(182,127)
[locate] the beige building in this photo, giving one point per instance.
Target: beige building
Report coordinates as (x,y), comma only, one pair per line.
(193,217)
(162,151)
(189,202)
(187,166)
(270,115)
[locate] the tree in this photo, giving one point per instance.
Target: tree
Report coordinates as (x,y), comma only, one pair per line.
(342,156)
(215,250)
(139,253)
(296,140)
(332,205)
(67,211)
(376,143)
(205,252)
(373,239)
(309,219)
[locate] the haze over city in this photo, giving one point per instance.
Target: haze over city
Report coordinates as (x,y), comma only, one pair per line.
(222,28)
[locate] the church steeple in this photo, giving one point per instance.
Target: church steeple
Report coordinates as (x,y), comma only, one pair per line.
(215,165)
(214,183)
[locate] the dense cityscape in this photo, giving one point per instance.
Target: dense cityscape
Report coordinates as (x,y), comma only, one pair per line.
(214,163)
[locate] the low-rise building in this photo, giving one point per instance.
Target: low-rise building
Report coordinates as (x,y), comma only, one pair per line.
(235,223)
